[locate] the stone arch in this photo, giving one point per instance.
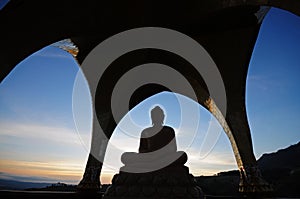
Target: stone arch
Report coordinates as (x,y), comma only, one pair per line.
(21,28)
(126,62)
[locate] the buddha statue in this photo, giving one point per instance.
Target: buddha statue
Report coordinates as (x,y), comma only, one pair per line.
(157,170)
(158,148)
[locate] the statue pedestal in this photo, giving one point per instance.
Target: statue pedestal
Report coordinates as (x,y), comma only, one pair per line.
(173,181)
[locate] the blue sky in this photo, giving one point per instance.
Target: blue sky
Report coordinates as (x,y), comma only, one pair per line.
(3,3)
(39,139)
(273,83)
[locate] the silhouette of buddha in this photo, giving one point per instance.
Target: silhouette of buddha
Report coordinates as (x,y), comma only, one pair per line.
(158,148)
(158,170)
(157,136)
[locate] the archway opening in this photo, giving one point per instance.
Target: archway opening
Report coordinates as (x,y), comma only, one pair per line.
(273,100)
(207,146)
(39,141)
(272,84)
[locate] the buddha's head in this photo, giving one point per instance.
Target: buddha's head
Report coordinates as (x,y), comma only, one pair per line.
(157,116)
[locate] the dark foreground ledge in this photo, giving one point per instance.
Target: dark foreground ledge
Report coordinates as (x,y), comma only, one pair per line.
(47,195)
(8,194)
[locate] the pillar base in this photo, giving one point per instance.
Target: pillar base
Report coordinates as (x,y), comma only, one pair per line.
(91,178)
(251,181)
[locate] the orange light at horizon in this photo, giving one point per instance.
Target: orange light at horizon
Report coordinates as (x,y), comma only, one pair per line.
(55,171)
(68,171)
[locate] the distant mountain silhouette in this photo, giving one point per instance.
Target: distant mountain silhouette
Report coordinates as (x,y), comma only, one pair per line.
(56,187)
(18,185)
(288,158)
(281,169)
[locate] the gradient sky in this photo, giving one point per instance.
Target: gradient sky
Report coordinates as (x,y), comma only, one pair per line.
(45,126)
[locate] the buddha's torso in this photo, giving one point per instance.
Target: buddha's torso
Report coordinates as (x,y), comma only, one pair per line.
(154,138)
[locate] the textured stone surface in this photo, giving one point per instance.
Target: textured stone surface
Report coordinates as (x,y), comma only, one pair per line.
(170,182)
(91,179)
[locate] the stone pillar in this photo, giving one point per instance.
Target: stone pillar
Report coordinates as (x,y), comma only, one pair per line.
(251,180)
(91,178)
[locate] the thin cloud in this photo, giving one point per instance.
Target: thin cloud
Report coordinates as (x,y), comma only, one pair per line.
(264,82)
(66,171)
(43,132)
(217,159)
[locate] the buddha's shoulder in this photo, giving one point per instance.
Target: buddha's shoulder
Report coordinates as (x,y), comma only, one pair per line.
(146,131)
(168,128)
(151,130)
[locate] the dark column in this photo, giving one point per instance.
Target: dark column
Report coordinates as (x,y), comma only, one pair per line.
(251,179)
(91,177)
(231,51)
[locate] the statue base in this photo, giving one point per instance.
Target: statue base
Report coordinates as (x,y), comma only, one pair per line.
(170,182)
